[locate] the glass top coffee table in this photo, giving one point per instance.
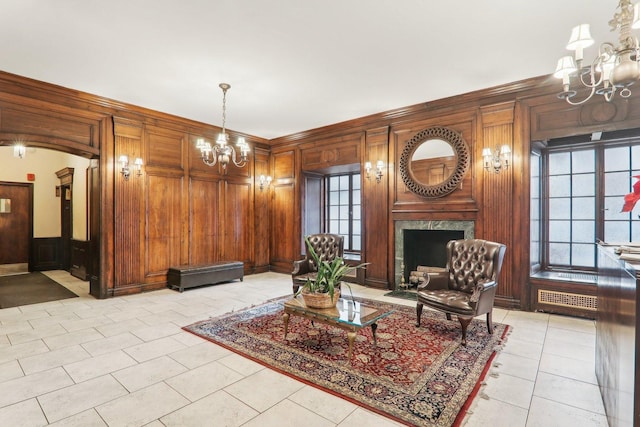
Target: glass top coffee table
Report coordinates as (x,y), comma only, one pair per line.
(348,315)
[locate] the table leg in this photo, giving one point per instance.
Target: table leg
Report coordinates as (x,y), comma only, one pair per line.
(352,338)
(374,327)
(285,318)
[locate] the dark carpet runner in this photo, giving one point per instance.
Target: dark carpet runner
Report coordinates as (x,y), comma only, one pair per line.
(30,288)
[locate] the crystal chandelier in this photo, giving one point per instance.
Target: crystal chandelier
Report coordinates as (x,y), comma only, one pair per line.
(222,152)
(614,69)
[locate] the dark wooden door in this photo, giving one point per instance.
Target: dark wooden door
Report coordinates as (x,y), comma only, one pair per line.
(66,227)
(16,226)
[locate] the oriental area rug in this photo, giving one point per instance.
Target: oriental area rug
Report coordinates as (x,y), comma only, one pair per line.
(417,376)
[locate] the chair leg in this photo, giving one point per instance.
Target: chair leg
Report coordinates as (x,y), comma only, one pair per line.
(464,322)
(490,322)
(295,288)
(448,316)
(418,313)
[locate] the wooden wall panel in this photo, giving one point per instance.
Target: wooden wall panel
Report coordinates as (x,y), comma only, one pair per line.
(128,210)
(45,254)
(553,118)
(262,199)
(204,219)
(237,223)
(164,219)
(285,213)
(40,124)
(331,152)
(164,148)
(496,220)
(375,199)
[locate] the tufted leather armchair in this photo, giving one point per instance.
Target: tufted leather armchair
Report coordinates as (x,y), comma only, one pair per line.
(327,246)
(468,285)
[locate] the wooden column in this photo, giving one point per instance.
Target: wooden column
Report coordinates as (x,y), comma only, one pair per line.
(497,199)
(128,207)
(375,209)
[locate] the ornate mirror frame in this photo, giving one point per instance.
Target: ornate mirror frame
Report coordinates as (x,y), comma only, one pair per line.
(449,184)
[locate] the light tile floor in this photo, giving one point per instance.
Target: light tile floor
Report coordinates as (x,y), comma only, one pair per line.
(125,362)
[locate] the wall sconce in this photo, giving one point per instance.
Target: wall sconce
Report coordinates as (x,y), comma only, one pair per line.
(19,150)
(497,159)
(125,170)
(265,180)
(379,168)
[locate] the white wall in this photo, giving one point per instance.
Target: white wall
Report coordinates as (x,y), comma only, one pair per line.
(46,209)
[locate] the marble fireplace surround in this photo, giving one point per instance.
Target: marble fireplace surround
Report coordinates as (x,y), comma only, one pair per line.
(467,226)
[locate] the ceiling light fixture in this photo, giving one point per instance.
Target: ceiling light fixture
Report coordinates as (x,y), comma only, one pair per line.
(614,69)
(221,151)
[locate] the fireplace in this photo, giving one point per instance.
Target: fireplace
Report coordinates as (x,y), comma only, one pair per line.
(431,238)
(426,247)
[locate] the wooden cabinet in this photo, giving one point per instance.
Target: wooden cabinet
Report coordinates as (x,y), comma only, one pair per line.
(617,365)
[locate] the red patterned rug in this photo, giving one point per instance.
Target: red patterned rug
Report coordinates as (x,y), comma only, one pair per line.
(417,376)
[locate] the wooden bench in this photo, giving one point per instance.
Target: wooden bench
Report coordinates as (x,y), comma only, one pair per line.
(189,276)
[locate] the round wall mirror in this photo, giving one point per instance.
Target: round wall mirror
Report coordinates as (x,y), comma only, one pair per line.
(434,162)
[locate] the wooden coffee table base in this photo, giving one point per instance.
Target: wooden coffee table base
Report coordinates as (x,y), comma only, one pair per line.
(351,329)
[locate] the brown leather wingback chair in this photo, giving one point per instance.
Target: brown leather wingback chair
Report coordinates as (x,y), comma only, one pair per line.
(327,246)
(468,286)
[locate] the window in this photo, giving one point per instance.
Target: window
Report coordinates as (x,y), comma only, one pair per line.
(582,194)
(571,209)
(620,163)
(343,206)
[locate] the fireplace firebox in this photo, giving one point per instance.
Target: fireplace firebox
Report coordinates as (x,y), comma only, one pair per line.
(427,247)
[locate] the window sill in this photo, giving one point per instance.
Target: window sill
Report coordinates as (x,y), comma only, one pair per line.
(564,276)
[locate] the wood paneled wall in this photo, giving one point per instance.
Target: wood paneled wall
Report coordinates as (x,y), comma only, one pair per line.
(497,204)
(181,211)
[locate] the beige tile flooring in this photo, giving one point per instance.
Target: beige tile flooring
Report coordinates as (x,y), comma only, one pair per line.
(125,362)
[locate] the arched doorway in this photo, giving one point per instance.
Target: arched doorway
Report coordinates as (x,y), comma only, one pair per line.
(62,232)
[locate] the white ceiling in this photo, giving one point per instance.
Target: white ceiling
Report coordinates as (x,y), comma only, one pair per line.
(293,65)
